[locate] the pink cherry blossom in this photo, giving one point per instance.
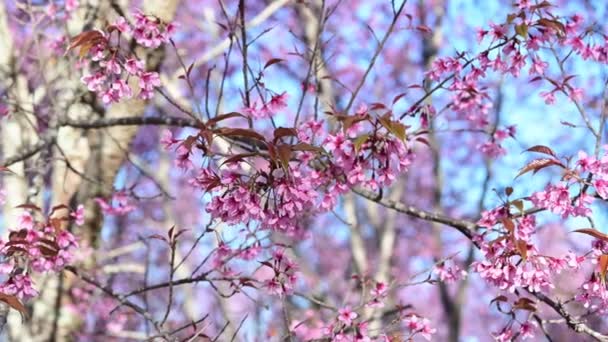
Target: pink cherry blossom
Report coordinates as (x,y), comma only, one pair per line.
(418,325)
(347,316)
(19,285)
(78,215)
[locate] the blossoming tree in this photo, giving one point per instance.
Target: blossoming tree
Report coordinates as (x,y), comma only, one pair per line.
(321,170)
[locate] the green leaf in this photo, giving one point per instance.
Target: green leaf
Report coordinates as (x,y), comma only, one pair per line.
(359,141)
(522,30)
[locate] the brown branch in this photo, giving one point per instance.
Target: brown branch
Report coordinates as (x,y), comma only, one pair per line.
(130,121)
(466,227)
(122,299)
(463,226)
(572,322)
(27,152)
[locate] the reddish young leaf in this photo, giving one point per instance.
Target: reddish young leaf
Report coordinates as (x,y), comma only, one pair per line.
(14,303)
(519,204)
(603,266)
(158,237)
(239,157)
(537,165)
(307,148)
(85,41)
(58,207)
(213,121)
(50,243)
(508,223)
(553,24)
(359,141)
(424,141)
(28,206)
(396,128)
(525,304)
(522,30)
(273,61)
(170,232)
(240,132)
(522,248)
(48,252)
(284,153)
(566,123)
(376,106)
(595,233)
(398,97)
(542,149)
(350,120)
(498,300)
(281,132)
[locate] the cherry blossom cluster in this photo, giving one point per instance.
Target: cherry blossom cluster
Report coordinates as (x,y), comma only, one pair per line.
(276,201)
(277,103)
(351,322)
(148,31)
(223,254)
(449,273)
(593,293)
(513,45)
(349,327)
(301,172)
(284,273)
(525,331)
(558,200)
(119,204)
(511,260)
(599,169)
(38,247)
(69,6)
(220,262)
(112,67)
(85,300)
(369,151)
(419,326)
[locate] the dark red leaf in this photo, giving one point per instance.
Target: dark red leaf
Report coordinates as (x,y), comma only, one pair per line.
(376,106)
(500,298)
(213,121)
(14,303)
(603,265)
(239,157)
(595,233)
(281,132)
(566,123)
(508,223)
(48,252)
(273,61)
(542,149)
(525,304)
(284,153)
(398,97)
(553,24)
(240,132)
(307,148)
(537,165)
(28,206)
